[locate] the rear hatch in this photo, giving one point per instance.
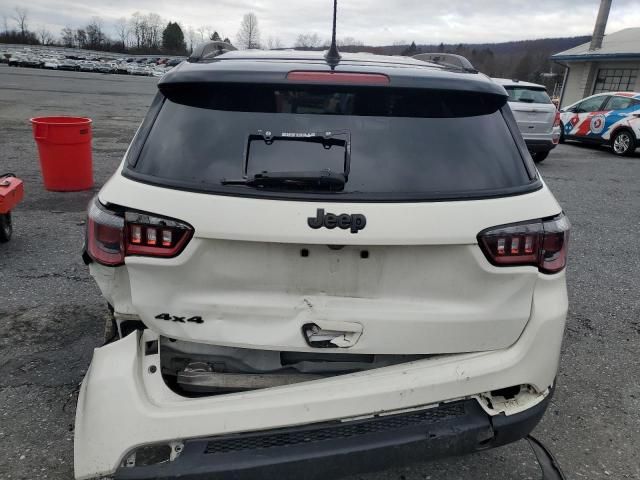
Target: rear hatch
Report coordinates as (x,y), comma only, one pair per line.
(532,109)
(336,217)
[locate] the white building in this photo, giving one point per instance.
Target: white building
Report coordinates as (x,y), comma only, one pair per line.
(615,66)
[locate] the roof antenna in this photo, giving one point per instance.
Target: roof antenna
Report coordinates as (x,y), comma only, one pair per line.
(333,55)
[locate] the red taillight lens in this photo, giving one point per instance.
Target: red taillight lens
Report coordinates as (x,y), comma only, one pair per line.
(154,236)
(339,77)
(557,122)
(555,245)
(541,243)
(105,240)
(111,236)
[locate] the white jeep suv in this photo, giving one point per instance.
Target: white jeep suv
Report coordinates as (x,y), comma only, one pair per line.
(312,272)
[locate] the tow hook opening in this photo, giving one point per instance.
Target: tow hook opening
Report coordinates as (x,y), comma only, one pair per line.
(511,400)
(148,455)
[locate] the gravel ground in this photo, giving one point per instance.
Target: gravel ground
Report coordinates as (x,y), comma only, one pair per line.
(51,312)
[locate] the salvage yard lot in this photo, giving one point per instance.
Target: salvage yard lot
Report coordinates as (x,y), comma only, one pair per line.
(51,312)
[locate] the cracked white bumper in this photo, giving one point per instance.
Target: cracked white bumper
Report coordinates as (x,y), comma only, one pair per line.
(122,405)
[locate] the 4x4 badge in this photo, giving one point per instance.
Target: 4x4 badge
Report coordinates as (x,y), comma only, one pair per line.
(175,318)
(355,222)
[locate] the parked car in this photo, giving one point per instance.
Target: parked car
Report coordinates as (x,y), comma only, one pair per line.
(51,64)
(122,68)
(86,66)
(141,70)
(68,64)
(102,67)
(537,116)
(606,118)
(346,262)
(32,61)
(14,60)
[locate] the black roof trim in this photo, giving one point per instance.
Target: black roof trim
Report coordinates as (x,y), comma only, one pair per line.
(271,67)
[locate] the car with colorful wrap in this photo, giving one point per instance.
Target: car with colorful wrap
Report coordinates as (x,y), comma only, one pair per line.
(606,118)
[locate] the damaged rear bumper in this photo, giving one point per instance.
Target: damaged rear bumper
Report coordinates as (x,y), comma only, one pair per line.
(336,449)
(124,404)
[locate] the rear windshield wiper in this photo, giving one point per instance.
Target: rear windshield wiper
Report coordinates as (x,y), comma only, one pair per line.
(320,180)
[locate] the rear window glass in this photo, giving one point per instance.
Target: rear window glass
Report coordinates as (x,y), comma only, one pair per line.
(527,95)
(390,144)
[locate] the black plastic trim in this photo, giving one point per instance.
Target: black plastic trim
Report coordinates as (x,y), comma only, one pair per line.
(348,197)
(540,145)
(316,452)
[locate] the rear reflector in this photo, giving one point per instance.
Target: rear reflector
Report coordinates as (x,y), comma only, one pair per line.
(111,236)
(541,243)
(339,77)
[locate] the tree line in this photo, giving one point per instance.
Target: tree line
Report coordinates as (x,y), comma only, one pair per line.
(149,33)
(141,33)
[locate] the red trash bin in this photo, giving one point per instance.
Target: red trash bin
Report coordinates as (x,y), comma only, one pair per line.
(64,145)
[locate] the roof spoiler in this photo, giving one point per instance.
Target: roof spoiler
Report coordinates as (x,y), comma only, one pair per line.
(447,60)
(208,50)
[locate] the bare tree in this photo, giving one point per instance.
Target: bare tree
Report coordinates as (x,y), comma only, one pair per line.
(155,24)
(308,40)
(349,42)
(20,17)
(67,37)
(5,23)
(191,37)
(81,38)
(249,33)
(122,30)
(45,36)
(136,28)
(274,43)
(203,30)
(95,35)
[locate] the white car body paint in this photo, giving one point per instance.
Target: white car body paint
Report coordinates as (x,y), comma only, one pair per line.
(119,377)
(425,287)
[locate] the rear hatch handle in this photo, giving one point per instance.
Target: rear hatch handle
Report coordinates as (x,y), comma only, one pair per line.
(331,334)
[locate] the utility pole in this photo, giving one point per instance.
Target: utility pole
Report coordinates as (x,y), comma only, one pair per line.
(601,25)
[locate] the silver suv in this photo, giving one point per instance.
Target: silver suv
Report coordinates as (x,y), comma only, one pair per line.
(537,117)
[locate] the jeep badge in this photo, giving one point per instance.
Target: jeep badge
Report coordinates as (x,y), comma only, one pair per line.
(355,222)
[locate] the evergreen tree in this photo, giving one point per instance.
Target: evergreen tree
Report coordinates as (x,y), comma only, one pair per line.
(411,50)
(173,39)
(215,37)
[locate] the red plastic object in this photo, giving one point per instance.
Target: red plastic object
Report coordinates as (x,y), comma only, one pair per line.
(64,145)
(11,193)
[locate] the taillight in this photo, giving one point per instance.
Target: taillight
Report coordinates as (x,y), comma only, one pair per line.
(111,236)
(540,243)
(153,236)
(557,122)
(105,235)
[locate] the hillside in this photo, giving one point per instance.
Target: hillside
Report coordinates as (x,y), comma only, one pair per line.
(524,59)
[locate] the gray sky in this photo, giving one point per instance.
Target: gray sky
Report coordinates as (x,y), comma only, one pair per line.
(375,22)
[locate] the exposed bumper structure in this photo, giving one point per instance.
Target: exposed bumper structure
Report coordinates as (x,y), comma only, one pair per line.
(337,449)
(123,405)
